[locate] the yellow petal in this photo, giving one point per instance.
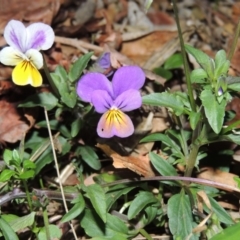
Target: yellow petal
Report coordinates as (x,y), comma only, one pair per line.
(26,73)
(115,122)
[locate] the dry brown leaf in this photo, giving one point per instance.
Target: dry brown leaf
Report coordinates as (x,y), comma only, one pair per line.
(13,126)
(141,49)
(218,176)
(140,165)
(28,10)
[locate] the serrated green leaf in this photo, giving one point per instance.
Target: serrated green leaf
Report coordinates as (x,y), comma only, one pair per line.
(74,211)
(60,83)
(55,232)
(180,216)
(230,233)
(45,99)
(139,203)
(173,62)
(98,200)
(165,99)
(89,157)
(214,110)
(7,231)
(79,66)
(6,174)
(162,165)
(203,60)
(198,76)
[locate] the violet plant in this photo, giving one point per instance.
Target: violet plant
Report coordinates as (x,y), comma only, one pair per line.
(75,92)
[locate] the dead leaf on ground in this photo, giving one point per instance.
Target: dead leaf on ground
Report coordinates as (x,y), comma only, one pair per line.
(140,164)
(218,176)
(13,125)
(140,50)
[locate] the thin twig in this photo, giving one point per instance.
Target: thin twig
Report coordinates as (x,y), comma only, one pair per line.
(57,169)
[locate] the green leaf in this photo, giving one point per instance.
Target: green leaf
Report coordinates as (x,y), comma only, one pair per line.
(115,224)
(7,231)
(194,118)
(221,64)
(230,233)
(98,200)
(55,232)
(45,99)
(76,126)
(27,164)
(70,99)
(162,166)
(231,80)
(79,66)
(203,59)
(221,213)
(173,62)
(139,203)
(27,174)
(7,156)
(75,210)
(89,157)
(23,222)
(231,138)
(92,224)
(198,76)
(180,216)
(6,174)
(165,99)
(234,87)
(163,73)
(214,110)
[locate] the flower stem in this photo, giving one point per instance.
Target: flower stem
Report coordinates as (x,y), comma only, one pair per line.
(185,63)
(235,41)
(28,195)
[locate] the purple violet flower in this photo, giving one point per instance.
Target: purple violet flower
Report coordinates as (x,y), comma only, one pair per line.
(113,99)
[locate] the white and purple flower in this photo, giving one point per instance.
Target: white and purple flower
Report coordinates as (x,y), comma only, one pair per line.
(23,51)
(113,99)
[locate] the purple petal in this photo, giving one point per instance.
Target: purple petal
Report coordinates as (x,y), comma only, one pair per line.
(104,61)
(91,82)
(101,100)
(115,122)
(15,35)
(129,100)
(128,77)
(40,36)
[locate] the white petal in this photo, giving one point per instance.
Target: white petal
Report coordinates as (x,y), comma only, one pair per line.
(10,56)
(15,35)
(40,36)
(35,57)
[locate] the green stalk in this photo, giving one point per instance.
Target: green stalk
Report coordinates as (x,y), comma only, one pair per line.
(191,160)
(185,63)
(235,41)
(145,234)
(29,200)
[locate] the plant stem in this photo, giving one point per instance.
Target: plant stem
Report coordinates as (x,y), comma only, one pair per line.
(145,234)
(191,160)
(185,63)
(46,223)
(55,90)
(29,200)
(235,41)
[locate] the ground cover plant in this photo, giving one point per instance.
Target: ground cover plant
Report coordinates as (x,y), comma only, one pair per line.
(105,145)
